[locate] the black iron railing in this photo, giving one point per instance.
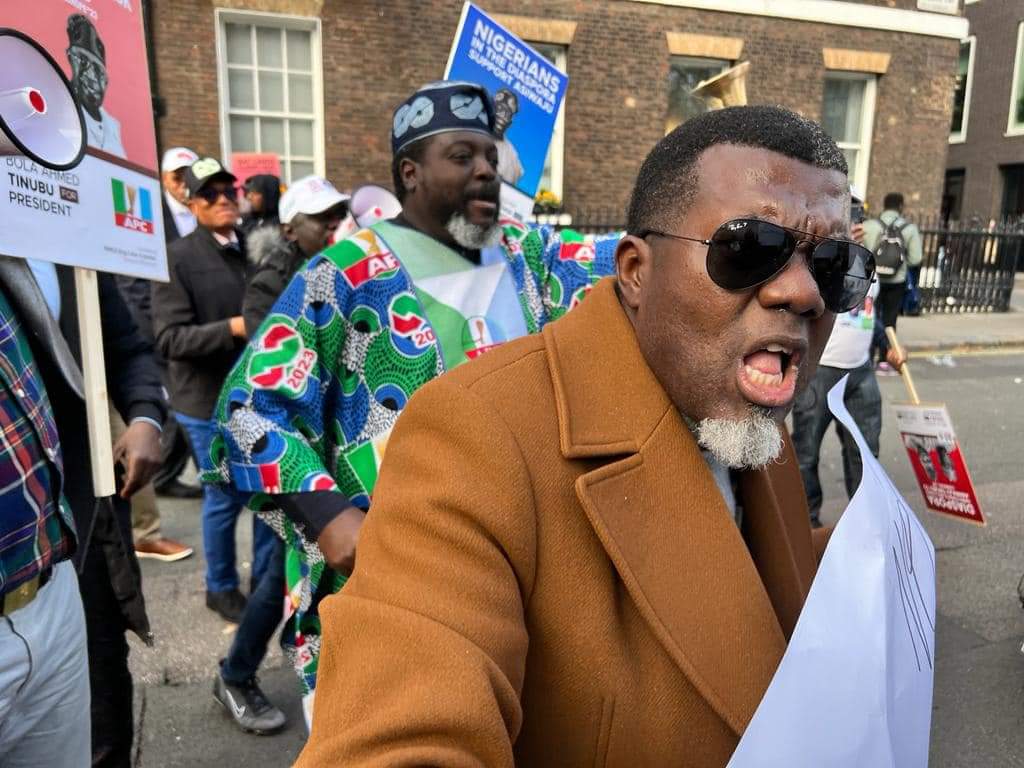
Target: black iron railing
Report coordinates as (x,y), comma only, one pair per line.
(969,266)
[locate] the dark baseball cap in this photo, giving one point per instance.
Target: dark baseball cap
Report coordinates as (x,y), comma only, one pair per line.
(204,171)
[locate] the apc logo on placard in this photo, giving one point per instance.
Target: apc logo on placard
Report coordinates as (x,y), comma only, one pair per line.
(133,207)
(283,362)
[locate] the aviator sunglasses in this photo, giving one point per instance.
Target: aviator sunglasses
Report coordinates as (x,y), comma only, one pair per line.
(744,253)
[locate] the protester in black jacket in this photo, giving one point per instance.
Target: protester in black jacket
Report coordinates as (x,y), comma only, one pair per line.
(175,450)
(109,577)
(197,320)
(311,210)
(263,193)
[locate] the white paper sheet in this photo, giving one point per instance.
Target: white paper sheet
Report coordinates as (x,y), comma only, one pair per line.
(854,688)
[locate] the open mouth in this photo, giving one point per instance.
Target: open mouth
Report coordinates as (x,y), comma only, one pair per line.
(482,208)
(768,375)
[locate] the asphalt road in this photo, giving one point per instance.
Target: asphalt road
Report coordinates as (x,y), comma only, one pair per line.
(979,682)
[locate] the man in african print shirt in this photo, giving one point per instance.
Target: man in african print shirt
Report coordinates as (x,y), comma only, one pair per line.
(306,412)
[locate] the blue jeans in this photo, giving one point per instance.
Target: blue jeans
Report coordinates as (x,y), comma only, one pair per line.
(263,614)
(221,507)
(811,418)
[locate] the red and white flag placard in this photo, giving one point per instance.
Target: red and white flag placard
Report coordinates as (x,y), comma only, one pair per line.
(927,434)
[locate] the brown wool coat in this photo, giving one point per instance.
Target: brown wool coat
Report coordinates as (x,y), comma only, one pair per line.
(549,576)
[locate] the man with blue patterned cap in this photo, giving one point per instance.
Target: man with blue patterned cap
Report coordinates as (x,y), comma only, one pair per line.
(306,412)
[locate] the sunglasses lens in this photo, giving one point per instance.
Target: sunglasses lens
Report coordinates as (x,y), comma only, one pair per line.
(843,272)
(212,194)
(746,252)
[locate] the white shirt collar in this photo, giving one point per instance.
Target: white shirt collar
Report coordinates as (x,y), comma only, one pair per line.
(178,209)
(225,241)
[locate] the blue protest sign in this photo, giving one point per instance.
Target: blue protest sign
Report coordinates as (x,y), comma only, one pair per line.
(526,87)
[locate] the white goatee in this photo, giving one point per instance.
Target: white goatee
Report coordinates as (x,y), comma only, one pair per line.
(748,443)
(473,236)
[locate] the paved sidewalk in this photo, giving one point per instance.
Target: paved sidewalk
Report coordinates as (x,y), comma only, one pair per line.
(933,333)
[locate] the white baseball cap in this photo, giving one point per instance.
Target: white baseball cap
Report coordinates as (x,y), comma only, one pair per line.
(177,158)
(309,195)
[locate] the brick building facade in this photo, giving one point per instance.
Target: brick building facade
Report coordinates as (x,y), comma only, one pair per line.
(985,175)
(893,62)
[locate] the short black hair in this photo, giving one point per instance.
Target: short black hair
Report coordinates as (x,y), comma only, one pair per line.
(667,180)
(412,151)
(893,202)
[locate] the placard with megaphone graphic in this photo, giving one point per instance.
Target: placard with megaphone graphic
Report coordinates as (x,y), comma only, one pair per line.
(78,162)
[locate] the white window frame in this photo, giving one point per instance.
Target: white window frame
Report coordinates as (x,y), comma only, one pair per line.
(867,123)
(278,21)
(961,136)
(557,147)
(1013,129)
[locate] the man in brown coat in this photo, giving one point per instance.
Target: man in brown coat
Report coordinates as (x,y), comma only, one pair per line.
(590,547)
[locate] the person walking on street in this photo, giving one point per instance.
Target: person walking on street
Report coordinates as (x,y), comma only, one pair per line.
(44,671)
(848,352)
(197,321)
(305,414)
(38,300)
(149,539)
(897,246)
(311,211)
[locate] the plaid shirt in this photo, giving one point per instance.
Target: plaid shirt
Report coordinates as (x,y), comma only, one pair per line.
(36,526)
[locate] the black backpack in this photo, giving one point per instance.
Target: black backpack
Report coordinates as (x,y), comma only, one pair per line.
(891,251)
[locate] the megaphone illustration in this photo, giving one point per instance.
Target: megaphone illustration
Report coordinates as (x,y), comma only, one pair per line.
(39,115)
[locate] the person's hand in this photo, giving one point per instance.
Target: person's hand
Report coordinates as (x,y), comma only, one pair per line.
(895,357)
(339,537)
(237,324)
(138,450)
(857,233)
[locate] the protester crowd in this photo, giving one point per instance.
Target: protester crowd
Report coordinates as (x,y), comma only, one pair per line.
(520,581)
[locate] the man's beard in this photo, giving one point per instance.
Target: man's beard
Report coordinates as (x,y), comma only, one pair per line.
(473,236)
(748,443)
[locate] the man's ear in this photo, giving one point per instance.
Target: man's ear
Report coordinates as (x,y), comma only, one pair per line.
(408,172)
(193,204)
(633,268)
(288,231)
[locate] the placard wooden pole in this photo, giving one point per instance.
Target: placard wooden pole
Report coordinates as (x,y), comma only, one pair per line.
(908,380)
(90,328)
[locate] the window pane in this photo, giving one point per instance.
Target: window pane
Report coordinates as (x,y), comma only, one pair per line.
(300,93)
(299,51)
(1017,108)
(300,168)
(243,134)
(684,75)
(960,91)
(301,132)
(240,91)
(239,44)
(271,91)
(841,113)
(272,136)
(851,155)
(268,47)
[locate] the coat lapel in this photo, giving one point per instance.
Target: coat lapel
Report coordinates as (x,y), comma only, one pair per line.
(24,293)
(662,520)
(779,542)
